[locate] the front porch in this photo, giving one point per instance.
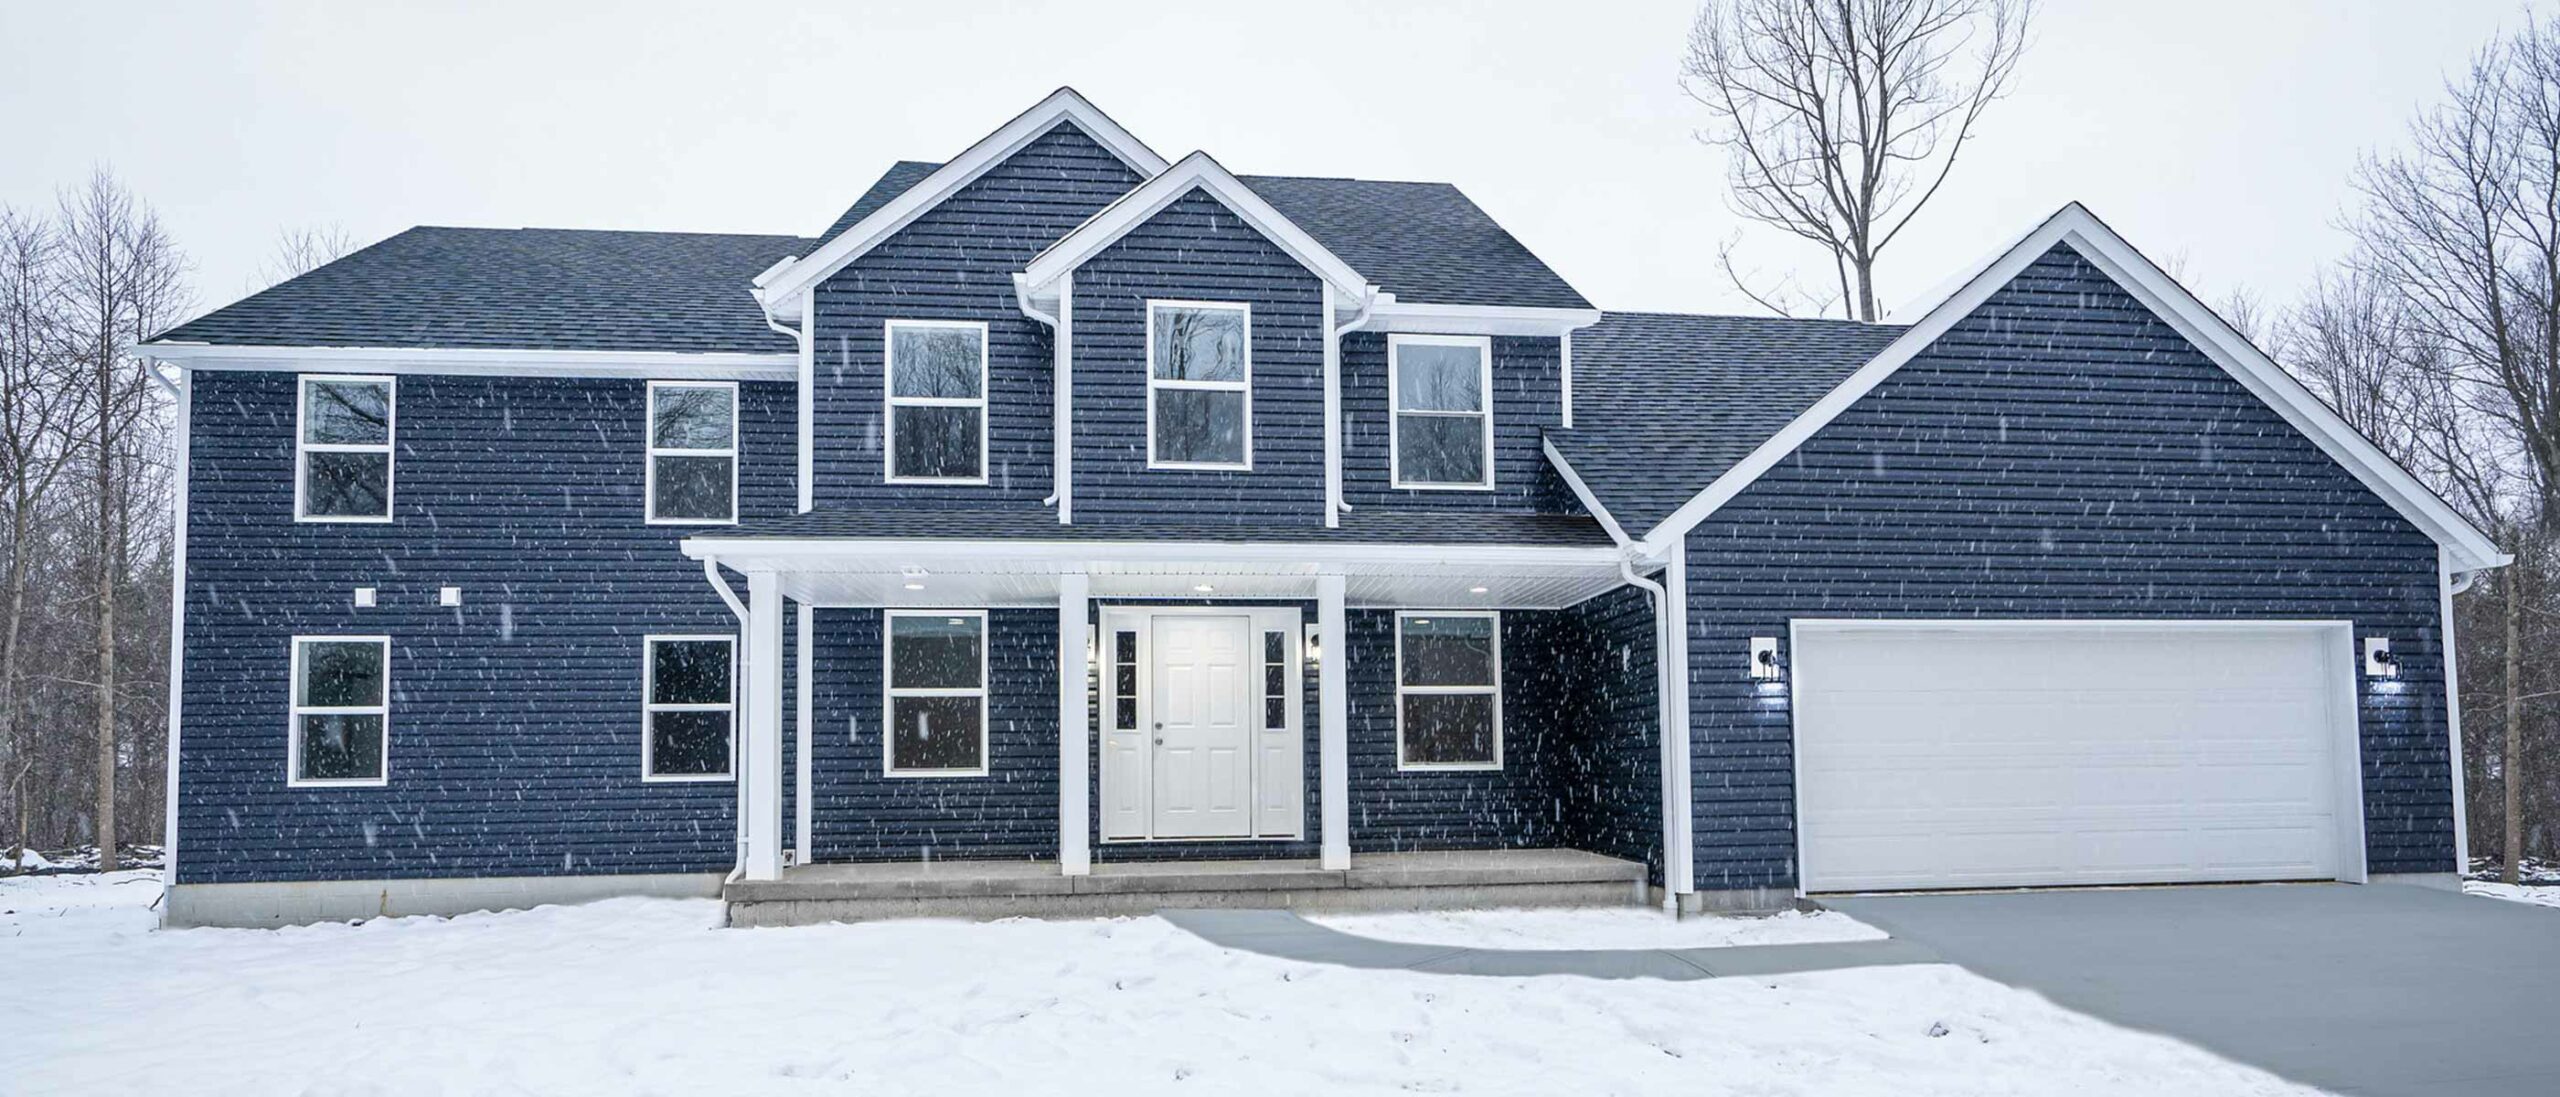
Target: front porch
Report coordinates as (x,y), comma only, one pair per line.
(1009,889)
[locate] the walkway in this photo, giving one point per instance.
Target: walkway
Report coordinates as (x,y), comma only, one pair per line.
(1289,937)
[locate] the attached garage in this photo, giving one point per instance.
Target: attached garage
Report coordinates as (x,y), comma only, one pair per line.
(1966,754)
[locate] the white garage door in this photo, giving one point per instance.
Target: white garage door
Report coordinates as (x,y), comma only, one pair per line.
(1960,754)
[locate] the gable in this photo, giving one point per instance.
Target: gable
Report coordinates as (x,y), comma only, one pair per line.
(1197,175)
(972,241)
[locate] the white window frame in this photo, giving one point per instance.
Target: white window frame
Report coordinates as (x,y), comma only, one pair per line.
(1244,386)
(1396,411)
(889,693)
(650,707)
(649,435)
(890,402)
(295,710)
(1495,690)
(301,448)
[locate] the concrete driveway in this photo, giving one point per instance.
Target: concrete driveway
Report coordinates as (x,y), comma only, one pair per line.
(2380,989)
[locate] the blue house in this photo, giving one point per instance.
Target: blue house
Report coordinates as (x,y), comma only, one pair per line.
(1069,530)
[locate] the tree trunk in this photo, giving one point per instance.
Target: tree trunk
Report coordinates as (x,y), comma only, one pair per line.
(2511,762)
(106,612)
(1866,267)
(18,531)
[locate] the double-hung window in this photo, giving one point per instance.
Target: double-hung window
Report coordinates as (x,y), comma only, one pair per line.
(1199,385)
(936,665)
(342,449)
(340,712)
(1448,690)
(1443,388)
(693,452)
(937,413)
(689,708)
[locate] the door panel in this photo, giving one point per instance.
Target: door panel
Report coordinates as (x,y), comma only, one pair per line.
(1199,701)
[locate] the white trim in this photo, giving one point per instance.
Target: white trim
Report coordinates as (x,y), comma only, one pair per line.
(806,460)
(1140,618)
(804,816)
(1432,319)
(1196,171)
(1564,376)
(759,760)
(890,692)
(1077,645)
(1333,744)
(1679,854)
(890,401)
(1493,690)
(485,361)
(1062,383)
(1590,502)
(184,456)
(2346,702)
(1332,414)
(652,451)
(740,552)
(2076,226)
(1062,105)
(388,447)
(650,707)
(295,710)
(1244,386)
(1396,410)
(2453,710)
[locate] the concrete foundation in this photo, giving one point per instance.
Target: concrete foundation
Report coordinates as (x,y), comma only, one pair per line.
(1739,901)
(1029,889)
(2441,881)
(269,905)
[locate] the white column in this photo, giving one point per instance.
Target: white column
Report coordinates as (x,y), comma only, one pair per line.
(1075,729)
(1333,708)
(1679,868)
(804,816)
(762,703)
(2452,711)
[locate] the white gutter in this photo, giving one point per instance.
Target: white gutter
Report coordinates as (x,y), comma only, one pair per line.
(805,337)
(1661,600)
(1333,504)
(720,586)
(1061,388)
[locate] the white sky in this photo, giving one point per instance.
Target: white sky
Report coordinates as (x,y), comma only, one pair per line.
(2216,134)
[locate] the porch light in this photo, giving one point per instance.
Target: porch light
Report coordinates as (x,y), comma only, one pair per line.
(2378,660)
(1203,588)
(1764,659)
(1315,644)
(913,575)
(1475,590)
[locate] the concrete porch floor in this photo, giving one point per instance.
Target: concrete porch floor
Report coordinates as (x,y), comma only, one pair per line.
(1010,889)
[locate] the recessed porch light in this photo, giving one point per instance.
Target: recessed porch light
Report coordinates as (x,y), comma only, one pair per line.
(1475,590)
(1203,588)
(915,586)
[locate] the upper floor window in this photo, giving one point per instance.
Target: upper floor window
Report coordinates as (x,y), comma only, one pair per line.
(1443,392)
(1199,385)
(341,711)
(1448,690)
(688,703)
(937,414)
(693,452)
(342,449)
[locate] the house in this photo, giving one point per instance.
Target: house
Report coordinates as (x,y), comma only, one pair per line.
(1360,559)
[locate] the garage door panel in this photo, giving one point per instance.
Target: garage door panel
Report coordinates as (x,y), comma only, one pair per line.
(1987,756)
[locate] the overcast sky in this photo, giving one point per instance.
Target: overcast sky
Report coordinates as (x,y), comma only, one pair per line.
(2217,134)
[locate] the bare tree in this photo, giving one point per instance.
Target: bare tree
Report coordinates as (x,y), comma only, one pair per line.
(38,410)
(123,281)
(300,251)
(1840,119)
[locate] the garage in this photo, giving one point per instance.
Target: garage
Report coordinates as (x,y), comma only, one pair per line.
(1969,754)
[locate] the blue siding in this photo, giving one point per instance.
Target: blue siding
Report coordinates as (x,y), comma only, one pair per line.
(1528,397)
(1196,249)
(957,263)
(2060,453)
(1609,778)
(515,718)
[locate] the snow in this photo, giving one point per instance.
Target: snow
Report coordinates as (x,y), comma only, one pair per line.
(1606,928)
(646,996)
(28,860)
(2544,895)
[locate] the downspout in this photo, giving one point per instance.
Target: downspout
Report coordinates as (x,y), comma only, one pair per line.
(720,586)
(1334,504)
(1061,390)
(1660,599)
(804,337)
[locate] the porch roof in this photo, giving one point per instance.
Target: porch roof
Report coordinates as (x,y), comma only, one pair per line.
(1392,527)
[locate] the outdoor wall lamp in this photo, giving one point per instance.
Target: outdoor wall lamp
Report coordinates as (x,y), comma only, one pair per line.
(2378,660)
(1764,659)
(1315,644)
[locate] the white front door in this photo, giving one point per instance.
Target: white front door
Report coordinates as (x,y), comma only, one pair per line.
(1204,717)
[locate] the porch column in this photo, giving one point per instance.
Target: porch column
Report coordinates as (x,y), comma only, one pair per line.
(1075,729)
(761,761)
(1333,709)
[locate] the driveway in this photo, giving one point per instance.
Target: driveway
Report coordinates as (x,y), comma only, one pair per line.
(2380,989)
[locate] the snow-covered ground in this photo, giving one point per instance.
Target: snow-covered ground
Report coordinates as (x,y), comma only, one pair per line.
(1607,928)
(645,996)
(2546,895)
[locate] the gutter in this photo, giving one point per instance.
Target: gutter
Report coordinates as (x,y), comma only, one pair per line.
(720,586)
(806,377)
(1661,601)
(1334,504)
(1061,387)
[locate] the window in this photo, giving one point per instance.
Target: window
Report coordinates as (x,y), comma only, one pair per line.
(688,708)
(1448,691)
(341,711)
(1199,385)
(1275,680)
(342,451)
(1443,387)
(693,452)
(1124,680)
(937,695)
(937,417)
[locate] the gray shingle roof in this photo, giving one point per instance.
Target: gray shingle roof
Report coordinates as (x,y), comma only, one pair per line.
(1366,525)
(1422,242)
(550,289)
(1663,403)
